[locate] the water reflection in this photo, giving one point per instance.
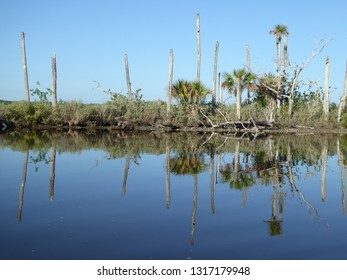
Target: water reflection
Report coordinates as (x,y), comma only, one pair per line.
(240,164)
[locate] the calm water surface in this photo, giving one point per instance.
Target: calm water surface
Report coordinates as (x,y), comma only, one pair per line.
(172,196)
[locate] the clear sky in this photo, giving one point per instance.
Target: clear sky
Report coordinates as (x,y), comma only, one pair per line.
(90,39)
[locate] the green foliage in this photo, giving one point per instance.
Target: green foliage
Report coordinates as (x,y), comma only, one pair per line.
(41,95)
(192,92)
(344,120)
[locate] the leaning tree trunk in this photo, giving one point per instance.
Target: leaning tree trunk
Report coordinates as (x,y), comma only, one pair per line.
(326,89)
(25,68)
(343,98)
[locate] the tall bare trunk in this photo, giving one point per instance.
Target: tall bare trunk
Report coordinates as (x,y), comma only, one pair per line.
(343,98)
(220,88)
(238,99)
(326,89)
(127,75)
(198,46)
(54,81)
(169,91)
(278,71)
(214,87)
(249,70)
(285,62)
(25,68)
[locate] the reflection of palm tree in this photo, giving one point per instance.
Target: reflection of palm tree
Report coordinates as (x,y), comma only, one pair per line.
(274,223)
(237,177)
(185,164)
(22,186)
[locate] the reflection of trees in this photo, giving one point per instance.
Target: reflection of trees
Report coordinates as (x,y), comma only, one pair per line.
(280,162)
(189,164)
(22,186)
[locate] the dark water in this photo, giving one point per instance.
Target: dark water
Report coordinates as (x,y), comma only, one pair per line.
(172,196)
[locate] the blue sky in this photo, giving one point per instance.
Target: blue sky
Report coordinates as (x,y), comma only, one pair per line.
(90,39)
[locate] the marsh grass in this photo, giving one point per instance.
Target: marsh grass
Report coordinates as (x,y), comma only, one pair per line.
(153,113)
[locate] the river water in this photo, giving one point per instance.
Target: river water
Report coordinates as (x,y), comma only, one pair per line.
(112,195)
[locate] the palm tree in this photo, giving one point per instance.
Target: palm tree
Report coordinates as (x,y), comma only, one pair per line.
(189,91)
(235,82)
(278,31)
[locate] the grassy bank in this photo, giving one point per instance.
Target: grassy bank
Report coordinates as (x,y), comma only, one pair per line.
(122,114)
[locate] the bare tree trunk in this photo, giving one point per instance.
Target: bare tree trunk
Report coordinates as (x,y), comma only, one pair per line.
(214,87)
(198,46)
(25,68)
(52,172)
(285,62)
(278,44)
(326,89)
(169,91)
(54,81)
(22,186)
(343,98)
(167,174)
(127,76)
(220,88)
(238,100)
(249,70)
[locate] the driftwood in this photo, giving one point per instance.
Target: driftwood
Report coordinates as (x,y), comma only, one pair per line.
(238,125)
(3,125)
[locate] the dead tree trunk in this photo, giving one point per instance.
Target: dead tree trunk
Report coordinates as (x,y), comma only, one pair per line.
(169,91)
(127,76)
(249,70)
(214,87)
(25,68)
(326,89)
(343,98)
(198,46)
(54,81)
(220,88)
